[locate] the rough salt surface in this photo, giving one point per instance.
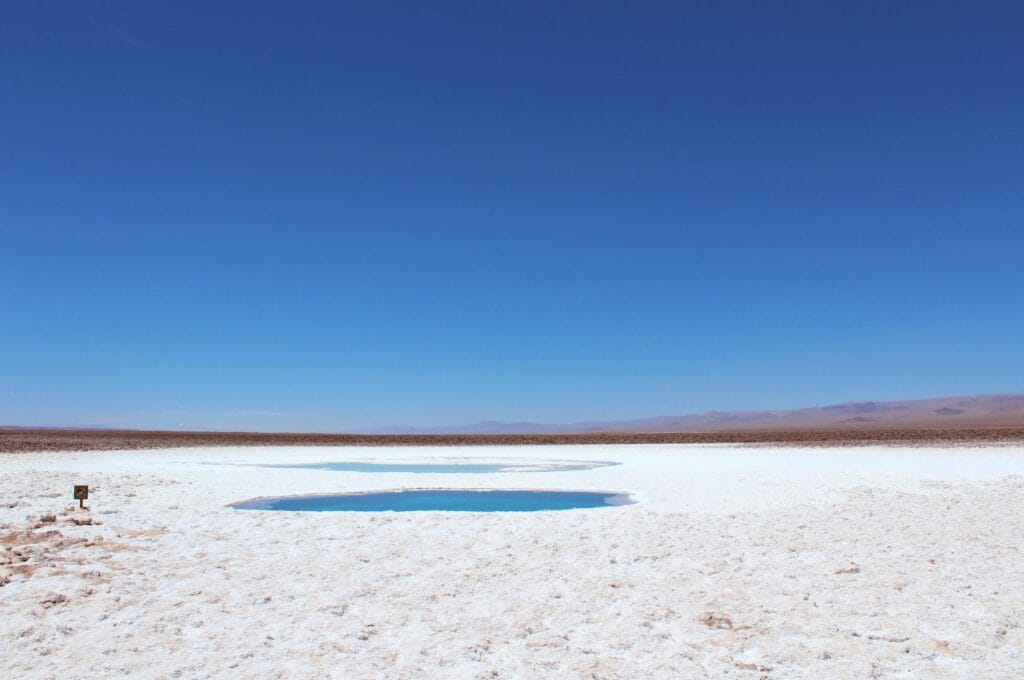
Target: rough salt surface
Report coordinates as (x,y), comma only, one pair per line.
(735,563)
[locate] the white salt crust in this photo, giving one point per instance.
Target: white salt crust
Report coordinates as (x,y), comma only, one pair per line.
(734,563)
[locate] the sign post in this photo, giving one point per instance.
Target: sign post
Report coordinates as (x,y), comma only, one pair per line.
(81,493)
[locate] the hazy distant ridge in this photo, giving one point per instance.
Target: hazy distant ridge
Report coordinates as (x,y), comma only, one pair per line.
(995,410)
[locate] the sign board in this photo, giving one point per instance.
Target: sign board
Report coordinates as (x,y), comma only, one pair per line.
(81,493)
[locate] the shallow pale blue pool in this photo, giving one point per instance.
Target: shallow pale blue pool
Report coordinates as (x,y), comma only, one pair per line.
(451,500)
(449,468)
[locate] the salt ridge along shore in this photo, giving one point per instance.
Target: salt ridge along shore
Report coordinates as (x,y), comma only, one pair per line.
(734,563)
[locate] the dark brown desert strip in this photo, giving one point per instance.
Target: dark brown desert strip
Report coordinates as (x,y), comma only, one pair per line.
(25,440)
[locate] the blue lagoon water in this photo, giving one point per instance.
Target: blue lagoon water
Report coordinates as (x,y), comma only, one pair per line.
(400,467)
(448,468)
(451,500)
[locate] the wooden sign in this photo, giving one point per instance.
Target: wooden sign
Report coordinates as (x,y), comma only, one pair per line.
(81,493)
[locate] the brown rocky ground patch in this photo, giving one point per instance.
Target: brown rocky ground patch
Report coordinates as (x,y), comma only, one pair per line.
(22,440)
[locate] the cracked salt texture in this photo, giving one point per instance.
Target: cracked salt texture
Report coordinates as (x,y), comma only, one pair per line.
(807,563)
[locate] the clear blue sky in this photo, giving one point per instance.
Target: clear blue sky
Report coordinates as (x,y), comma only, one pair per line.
(345,215)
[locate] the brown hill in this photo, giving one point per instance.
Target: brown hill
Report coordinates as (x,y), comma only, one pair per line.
(996,410)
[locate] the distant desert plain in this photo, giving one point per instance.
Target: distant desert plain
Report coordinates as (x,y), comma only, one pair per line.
(982,419)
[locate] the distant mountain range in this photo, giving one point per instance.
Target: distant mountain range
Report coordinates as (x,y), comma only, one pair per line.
(994,410)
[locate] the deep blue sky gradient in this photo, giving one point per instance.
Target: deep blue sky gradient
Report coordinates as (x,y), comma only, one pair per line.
(338,216)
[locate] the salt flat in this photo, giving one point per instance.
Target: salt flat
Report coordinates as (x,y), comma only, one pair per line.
(734,562)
